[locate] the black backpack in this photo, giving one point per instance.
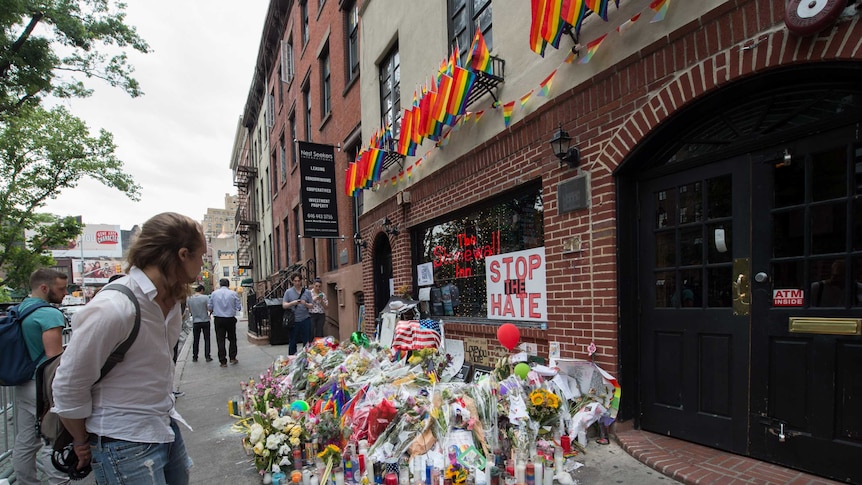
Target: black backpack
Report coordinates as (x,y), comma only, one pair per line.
(16,365)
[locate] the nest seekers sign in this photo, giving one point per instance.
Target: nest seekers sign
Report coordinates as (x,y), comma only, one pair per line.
(317,170)
(516,285)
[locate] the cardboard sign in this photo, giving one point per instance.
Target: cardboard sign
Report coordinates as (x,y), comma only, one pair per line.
(788,297)
(516,286)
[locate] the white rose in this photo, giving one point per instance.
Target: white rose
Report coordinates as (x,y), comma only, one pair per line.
(258,448)
(256,434)
(272,442)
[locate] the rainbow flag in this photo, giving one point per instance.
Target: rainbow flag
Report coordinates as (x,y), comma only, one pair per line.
(552,22)
(537,43)
(573,13)
(394,179)
(441,102)
(598,7)
(526,98)
(410,172)
(545,86)
(628,23)
(462,83)
(660,8)
(592,47)
(480,57)
(377,164)
(348,179)
(406,136)
(507,112)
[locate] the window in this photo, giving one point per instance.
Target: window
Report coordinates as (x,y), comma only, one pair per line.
(225,271)
(270,108)
(277,247)
(297,232)
(282,155)
(303,12)
(287,71)
(274,166)
(293,138)
(351,14)
(512,222)
(306,95)
(286,224)
(333,254)
(325,94)
(464,16)
(390,90)
(271,256)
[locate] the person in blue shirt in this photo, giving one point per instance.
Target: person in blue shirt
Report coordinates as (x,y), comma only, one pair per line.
(43,334)
(224,304)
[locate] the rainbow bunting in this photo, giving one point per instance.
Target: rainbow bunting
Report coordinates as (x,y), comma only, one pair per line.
(598,7)
(417,163)
(394,179)
(478,116)
(525,98)
(401,176)
(480,57)
(507,112)
(410,172)
(628,23)
(570,57)
(545,86)
(537,43)
(592,47)
(660,8)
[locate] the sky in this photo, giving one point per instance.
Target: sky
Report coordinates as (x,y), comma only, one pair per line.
(176,140)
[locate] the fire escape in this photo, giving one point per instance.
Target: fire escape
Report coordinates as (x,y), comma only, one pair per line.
(246,224)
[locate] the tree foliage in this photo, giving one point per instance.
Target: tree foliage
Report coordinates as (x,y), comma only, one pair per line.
(49,48)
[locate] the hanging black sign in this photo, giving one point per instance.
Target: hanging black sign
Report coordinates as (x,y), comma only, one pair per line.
(317,170)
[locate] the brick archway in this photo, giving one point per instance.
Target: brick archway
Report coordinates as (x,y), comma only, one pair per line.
(765,51)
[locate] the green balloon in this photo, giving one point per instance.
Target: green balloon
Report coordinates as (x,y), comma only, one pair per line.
(521,370)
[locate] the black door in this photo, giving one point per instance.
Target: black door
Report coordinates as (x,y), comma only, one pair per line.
(382,273)
(806,372)
(693,227)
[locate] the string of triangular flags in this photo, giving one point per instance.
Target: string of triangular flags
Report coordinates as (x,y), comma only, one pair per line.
(428,121)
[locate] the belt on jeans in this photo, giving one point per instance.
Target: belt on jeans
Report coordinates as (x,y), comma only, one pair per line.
(105,439)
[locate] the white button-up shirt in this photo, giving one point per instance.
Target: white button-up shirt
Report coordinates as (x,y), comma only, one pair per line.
(134,401)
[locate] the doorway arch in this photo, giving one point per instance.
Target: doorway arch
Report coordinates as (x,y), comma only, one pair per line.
(702,199)
(382,266)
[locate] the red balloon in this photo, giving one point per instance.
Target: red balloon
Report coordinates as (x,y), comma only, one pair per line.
(508,335)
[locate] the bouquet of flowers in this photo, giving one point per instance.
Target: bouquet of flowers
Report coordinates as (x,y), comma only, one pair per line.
(272,438)
(543,406)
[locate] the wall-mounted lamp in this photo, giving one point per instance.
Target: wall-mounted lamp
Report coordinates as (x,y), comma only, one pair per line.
(389,228)
(359,242)
(560,144)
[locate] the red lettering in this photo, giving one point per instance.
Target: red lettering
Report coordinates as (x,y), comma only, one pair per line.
(508,262)
(494,268)
(534,305)
(496,304)
(535,263)
(508,310)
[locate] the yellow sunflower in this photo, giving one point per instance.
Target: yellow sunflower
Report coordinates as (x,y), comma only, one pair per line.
(536,398)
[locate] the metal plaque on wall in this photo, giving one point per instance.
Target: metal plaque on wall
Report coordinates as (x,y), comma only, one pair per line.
(573,194)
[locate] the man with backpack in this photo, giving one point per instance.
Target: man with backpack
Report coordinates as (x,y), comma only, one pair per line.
(43,334)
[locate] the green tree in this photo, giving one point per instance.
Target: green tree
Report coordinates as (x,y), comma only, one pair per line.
(49,48)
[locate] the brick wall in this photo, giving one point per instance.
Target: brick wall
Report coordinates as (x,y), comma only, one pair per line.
(610,115)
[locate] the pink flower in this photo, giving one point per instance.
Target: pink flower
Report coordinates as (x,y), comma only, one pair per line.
(591,349)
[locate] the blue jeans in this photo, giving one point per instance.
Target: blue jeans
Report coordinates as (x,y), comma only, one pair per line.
(301,334)
(128,463)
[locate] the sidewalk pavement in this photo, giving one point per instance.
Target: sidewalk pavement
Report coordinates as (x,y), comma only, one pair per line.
(217,451)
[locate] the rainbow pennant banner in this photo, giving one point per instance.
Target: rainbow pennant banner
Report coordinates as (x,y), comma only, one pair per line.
(507,112)
(592,47)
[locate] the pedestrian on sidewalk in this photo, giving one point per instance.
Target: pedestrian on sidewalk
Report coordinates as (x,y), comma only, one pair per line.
(125,424)
(43,334)
(318,308)
(298,299)
(224,304)
(200,323)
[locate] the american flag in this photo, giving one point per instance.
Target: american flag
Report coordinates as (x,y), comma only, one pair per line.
(416,334)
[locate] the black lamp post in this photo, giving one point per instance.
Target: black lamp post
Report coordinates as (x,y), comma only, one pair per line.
(568,155)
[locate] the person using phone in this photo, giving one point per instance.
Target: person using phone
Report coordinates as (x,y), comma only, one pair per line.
(318,308)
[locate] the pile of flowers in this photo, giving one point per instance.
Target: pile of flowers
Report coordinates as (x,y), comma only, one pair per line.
(331,396)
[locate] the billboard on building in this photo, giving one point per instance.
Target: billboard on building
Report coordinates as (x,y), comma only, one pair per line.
(317,187)
(95,271)
(97,241)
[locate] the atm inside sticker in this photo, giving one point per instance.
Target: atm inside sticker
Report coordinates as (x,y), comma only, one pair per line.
(788,297)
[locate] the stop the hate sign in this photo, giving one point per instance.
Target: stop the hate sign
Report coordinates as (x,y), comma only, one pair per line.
(788,297)
(516,286)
